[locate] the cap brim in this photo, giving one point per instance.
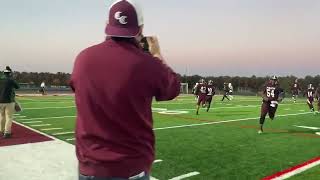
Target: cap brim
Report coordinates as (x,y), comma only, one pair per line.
(122,32)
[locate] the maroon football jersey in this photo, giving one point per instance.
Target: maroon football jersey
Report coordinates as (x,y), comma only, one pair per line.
(211,90)
(310,93)
(202,89)
(271,91)
(295,87)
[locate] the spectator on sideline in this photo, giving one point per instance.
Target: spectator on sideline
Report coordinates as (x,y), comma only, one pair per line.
(7,102)
(114,128)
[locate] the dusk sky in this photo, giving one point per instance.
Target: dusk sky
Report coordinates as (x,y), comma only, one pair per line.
(206,37)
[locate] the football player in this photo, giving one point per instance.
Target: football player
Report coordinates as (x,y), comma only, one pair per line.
(230,87)
(295,88)
(211,92)
(318,97)
(310,97)
(195,92)
(272,95)
(226,92)
(202,94)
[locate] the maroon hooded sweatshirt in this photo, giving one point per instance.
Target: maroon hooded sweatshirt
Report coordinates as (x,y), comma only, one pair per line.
(114,84)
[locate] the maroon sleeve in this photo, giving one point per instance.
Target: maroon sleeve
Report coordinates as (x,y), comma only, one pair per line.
(76,69)
(167,83)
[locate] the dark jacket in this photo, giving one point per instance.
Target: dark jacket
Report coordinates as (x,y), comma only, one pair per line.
(114,84)
(7,89)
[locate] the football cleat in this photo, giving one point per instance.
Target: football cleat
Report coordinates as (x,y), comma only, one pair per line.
(260,132)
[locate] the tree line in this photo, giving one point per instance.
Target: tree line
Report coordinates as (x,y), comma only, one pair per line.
(253,83)
(35,78)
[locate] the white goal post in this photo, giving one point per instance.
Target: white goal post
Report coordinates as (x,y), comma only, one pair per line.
(184,88)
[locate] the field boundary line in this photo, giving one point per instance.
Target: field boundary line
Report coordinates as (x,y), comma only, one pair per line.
(51,129)
(39,132)
(47,102)
(185,176)
(294,170)
(225,121)
(61,107)
(40,125)
(32,122)
(63,133)
(44,118)
(224,107)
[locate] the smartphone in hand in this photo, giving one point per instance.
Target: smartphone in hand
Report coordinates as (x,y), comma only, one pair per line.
(145,44)
(151,45)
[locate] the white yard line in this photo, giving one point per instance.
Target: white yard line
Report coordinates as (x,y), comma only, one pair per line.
(42,118)
(47,102)
(39,132)
(51,129)
(220,122)
(41,125)
(227,106)
(62,133)
(234,107)
(20,116)
(308,127)
(182,126)
(157,161)
(71,139)
(61,107)
(32,122)
(185,176)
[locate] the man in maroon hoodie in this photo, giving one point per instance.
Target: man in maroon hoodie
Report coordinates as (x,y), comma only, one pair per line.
(114,129)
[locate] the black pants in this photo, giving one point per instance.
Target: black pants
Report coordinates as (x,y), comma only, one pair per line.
(225,96)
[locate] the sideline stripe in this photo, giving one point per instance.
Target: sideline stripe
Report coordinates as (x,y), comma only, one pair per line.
(61,107)
(62,133)
(37,131)
(308,127)
(185,176)
(18,117)
(294,170)
(157,161)
(227,121)
(32,122)
(238,106)
(47,102)
(51,129)
(226,107)
(59,117)
(40,125)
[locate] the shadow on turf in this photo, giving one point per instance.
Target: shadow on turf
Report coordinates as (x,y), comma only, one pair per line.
(293,132)
(300,133)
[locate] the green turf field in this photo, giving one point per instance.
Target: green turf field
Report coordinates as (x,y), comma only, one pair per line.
(221,144)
